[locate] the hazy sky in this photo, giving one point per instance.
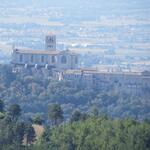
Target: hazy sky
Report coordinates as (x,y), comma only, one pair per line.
(109,7)
(74,3)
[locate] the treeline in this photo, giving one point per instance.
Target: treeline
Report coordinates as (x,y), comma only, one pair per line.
(97,133)
(14,132)
(92,131)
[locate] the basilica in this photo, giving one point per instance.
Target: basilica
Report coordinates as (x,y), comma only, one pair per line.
(48,58)
(63,64)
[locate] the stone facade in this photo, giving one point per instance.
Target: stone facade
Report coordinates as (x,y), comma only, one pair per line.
(50,57)
(133,83)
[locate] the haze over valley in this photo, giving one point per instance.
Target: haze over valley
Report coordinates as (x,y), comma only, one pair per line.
(112,34)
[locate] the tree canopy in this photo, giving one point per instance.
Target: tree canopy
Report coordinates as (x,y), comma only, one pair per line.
(55,114)
(34,90)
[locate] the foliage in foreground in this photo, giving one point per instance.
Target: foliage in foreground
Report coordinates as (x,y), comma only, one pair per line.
(83,131)
(97,134)
(14,133)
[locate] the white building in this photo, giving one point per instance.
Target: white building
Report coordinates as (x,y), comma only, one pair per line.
(48,58)
(133,83)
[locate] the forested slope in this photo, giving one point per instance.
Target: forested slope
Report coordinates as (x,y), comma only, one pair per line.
(34,91)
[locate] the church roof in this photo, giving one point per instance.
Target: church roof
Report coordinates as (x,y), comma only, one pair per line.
(67,52)
(31,51)
(42,52)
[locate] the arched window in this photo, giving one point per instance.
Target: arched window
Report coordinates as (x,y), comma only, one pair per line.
(21,58)
(63,60)
(53,59)
(42,59)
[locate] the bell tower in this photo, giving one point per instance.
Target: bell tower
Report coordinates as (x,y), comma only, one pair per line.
(50,42)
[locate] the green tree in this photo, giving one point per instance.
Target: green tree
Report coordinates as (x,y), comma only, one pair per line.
(7,75)
(1,106)
(37,120)
(29,134)
(77,116)
(19,131)
(95,112)
(55,114)
(98,133)
(14,111)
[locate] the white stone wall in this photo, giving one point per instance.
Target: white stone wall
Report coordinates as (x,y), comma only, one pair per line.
(132,84)
(37,60)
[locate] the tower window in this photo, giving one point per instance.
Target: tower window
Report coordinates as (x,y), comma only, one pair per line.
(50,39)
(63,60)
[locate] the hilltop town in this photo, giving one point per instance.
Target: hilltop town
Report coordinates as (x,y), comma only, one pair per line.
(64,65)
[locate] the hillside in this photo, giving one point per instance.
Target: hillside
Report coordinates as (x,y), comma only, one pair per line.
(35,91)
